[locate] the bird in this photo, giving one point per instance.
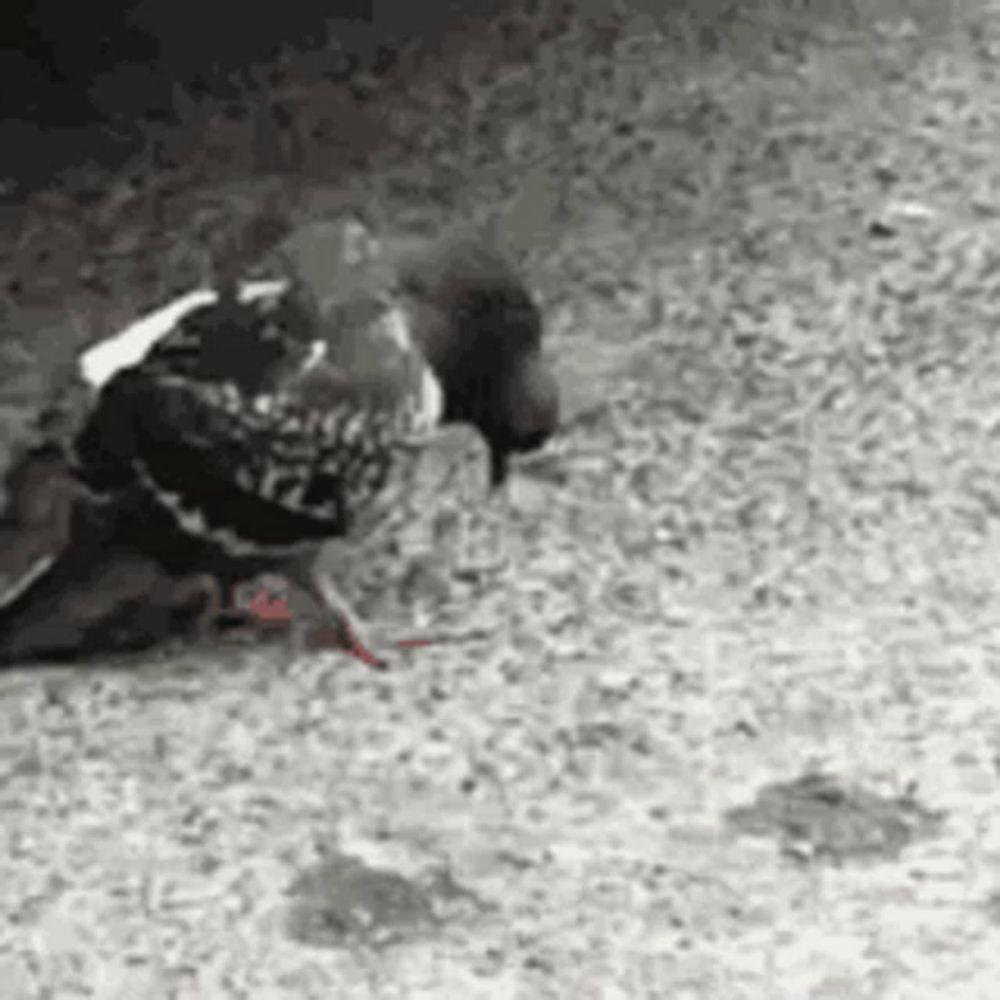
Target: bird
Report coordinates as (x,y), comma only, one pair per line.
(35,522)
(103,596)
(240,428)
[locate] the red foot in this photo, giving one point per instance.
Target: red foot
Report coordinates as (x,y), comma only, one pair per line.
(268,610)
(361,652)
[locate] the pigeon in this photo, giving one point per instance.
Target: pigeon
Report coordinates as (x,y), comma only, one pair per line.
(237,430)
(103,597)
(35,524)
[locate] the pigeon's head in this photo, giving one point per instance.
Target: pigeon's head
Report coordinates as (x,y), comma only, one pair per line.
(481,332)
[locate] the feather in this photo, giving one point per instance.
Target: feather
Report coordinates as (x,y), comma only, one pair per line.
(237,428)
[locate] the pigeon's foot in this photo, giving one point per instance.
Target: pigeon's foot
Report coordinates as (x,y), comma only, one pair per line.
(347,636)
(332,622)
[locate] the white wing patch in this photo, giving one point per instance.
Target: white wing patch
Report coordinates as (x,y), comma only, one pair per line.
(250,291)
(431,406)
(429,403)
(129,346)
(397,329)
(317,352)
(37,569)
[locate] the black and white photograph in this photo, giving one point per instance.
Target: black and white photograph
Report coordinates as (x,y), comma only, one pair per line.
(500,500)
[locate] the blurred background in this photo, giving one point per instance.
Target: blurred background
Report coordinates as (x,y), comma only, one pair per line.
(764,233)
(66,67)
(71,62)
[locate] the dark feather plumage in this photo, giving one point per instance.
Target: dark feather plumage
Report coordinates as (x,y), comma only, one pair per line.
(256,458)
(261,421)
(67,585)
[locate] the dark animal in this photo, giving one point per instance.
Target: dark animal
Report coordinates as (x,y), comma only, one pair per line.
(239,429)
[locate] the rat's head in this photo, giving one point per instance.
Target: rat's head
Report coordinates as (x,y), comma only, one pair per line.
(481,332)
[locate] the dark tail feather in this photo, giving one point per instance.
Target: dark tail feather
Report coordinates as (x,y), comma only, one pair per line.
(85,600)
(69,586)
(37,582)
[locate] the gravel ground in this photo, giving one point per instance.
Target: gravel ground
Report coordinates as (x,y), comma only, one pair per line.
(727,730)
